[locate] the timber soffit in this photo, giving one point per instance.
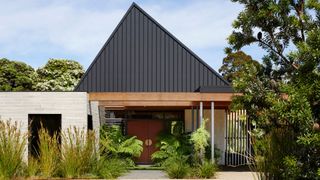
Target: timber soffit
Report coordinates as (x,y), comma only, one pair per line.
(225,87)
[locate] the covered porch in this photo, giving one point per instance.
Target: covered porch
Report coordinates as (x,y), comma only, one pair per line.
(194,107)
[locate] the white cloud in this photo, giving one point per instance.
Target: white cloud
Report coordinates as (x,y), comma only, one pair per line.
(200,24)
(80,28)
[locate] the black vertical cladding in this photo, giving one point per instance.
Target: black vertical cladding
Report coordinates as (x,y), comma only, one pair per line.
(149,52)
(145,50)
(136,51)
(142,56)
(162,61)
(124,56)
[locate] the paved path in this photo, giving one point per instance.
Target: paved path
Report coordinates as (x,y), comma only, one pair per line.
(158,174)
(235,175)
(145,174)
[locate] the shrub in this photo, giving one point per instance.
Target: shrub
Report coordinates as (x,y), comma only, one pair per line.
(12,146)
(291,168)
(177,167)
(206,170)
(110,168)
(78,152)
(48,153)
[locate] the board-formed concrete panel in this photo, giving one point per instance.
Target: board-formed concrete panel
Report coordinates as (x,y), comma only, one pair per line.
(16,106)
(71,105)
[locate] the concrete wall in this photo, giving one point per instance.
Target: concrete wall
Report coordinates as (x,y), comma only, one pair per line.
(94,112)
(219,127)
(72,106)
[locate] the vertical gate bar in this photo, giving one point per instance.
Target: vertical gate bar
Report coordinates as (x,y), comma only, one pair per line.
(238,142)
(248,136)
(242,139)
(237,138)
(226,159)
(233,138)
(230,139)
(250,128)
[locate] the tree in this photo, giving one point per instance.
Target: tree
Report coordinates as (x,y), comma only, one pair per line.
(234,64)
(15,76)
(58,75)
(282,95)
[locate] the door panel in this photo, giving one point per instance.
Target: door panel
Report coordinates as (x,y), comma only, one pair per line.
(147,131)
(155,127)
(139,128)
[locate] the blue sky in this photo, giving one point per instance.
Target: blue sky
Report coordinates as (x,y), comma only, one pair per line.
(35,30)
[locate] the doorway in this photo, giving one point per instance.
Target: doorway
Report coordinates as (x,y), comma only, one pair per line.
(147,131)
(51,122)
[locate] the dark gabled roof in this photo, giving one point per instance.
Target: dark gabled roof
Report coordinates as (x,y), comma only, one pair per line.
(142,56)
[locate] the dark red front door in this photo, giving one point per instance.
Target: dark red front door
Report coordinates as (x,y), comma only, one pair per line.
(147,131)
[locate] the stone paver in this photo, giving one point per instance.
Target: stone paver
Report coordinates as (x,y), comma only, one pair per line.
(235,175)
(158,174)
(145,174)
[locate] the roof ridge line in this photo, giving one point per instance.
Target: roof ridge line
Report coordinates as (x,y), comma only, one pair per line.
(107,42)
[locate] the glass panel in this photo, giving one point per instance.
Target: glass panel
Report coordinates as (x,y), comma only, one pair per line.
(115,114)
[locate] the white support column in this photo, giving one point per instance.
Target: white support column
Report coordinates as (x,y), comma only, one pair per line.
(201,113)
(212,132)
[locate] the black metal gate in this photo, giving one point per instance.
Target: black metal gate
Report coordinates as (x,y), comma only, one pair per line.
(238,146)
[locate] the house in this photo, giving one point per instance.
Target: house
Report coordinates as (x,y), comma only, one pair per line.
(143,79)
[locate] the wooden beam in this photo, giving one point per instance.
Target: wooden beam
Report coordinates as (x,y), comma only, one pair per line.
(145,103)
(162,104)
(157,96)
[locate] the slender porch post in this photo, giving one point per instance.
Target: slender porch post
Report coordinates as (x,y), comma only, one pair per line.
(212,132)
(192,119)
(201,113)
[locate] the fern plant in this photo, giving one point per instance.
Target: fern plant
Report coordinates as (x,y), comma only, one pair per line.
(115,144)
(171,145)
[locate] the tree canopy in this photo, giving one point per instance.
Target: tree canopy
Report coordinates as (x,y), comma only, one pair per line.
(15,76)
(282,93)
(56,75)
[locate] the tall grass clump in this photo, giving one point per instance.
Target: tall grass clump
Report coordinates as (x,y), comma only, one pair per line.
(32,168)
(110,167)
(49,153)
(12,146)
(78,152)
(206,171)
(177,167)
